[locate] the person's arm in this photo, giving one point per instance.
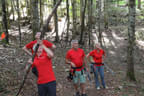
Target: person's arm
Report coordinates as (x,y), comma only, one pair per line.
(48,50)
(53,47)
(85,63)
(69,62)
(90,59)
(49,45)
(27,51)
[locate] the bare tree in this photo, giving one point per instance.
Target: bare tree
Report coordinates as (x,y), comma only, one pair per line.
(68,19)
(4,20)
(35,15)
(90,4)
(83,9)
(56,22)
(99,23)
(131,41)
(139,4)
(74,15)
(19,27)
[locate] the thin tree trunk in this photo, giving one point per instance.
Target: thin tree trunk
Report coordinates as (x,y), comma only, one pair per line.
(89,20)
(68,19)
(41,12)
(131,41)
(74,15)
(56,22)
(4,20)
(8,14)
(12,10)
(29,10)
(35,22)
(28,7)
(99,23)
(105,14)
(118,2)
(19,27)
(83,4)
(139,4)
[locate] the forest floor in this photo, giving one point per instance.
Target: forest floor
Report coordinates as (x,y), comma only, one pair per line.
(13,61)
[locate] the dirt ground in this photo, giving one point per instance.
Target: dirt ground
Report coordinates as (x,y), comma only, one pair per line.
(13,61)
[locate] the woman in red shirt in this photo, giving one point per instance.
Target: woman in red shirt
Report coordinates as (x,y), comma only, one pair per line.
(46,78)
(28,48)
(97,64)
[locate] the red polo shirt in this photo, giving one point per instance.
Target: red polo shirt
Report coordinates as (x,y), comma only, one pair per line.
(44,67)
(97,56)
(76,56)
(32,43)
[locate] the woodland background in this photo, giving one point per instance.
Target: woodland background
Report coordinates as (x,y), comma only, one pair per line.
(118,25)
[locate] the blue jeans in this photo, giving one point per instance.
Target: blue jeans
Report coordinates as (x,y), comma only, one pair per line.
(99,70)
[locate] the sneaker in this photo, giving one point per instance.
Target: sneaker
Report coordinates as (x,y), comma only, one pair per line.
(83,95)
(77,94)
(98,88)
(106,87)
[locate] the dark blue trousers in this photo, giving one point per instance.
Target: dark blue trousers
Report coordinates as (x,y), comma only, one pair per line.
(48,89)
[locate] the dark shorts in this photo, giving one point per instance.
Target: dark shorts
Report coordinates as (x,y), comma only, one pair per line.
(48,89)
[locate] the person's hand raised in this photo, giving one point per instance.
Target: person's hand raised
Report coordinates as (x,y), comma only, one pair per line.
(30,61)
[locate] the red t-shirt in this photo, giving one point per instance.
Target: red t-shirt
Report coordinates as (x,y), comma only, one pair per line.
(97,56)
(44,67)
(32,44)
(76,56)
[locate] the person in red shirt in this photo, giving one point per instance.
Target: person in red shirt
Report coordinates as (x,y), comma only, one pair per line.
(28,48)
(76,58)
(46,78)
(97,64)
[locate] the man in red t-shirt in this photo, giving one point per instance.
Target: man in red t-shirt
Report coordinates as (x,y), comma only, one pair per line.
(97,64)
(28,48)
(46,78)
(76,58)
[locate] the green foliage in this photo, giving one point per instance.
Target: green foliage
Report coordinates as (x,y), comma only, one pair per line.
(122,2)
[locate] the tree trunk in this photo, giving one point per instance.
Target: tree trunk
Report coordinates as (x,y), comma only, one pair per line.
(83,9)
(41,12)
(105,14)
(131,41)
(68,19)
(35,20)
(99,23)
(28,7)
(12,10)
(139,4)
(74,15)
(56,22)
(90,4)
(19,27)
(4,20)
